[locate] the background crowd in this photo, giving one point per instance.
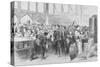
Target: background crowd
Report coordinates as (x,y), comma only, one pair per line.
(72,40)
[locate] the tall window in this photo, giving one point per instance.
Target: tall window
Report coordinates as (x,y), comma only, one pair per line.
(41,7)
(16,4)
(50,9)
(65,8)
(57,9)
(32,6)
(24,5)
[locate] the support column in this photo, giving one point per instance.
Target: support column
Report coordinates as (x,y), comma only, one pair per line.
(46,12)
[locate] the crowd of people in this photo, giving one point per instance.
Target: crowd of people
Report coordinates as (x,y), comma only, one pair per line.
(58,39)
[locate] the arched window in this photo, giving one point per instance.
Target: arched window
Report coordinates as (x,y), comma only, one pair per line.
(26,19)
(15,19)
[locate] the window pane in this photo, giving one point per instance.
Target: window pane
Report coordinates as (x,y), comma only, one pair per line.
(32,6)
(65,8)
(40,7)
(24,5)
(57,8)
(16,4)
(50,8)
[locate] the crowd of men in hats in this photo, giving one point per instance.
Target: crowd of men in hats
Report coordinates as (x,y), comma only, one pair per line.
(59,39)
